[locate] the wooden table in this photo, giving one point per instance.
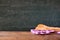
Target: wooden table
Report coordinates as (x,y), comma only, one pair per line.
(23,35)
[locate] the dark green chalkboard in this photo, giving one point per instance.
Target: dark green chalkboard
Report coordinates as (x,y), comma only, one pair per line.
(27,14)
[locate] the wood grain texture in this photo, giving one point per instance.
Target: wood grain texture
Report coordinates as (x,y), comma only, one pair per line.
(6,35)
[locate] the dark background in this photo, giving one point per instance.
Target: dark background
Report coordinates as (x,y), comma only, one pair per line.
(26,14)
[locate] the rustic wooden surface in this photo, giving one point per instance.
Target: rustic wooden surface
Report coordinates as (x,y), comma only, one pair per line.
(18,35)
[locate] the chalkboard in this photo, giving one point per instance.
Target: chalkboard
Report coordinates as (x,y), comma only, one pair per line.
(16,15)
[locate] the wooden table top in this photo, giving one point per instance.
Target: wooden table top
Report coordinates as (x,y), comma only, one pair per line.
(24,35)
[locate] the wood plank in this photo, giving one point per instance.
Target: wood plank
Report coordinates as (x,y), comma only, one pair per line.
(20,35)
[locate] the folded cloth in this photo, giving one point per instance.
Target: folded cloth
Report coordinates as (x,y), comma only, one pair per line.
(41,31)
(58,32)
(44,29)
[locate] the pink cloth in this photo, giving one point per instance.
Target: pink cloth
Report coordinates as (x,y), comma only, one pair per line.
(58,32)
(41,31)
